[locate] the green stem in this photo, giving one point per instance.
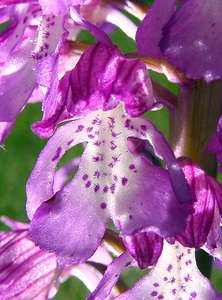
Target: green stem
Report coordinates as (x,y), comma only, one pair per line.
(193,123)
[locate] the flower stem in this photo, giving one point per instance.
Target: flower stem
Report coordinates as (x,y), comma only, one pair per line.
(194,121)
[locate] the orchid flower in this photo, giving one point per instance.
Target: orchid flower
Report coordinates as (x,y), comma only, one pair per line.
(113,180)
(175,274)
(35,43)
(189,33)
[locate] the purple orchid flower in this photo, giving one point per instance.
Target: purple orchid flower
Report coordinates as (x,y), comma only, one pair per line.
(113,180)
(188,34)
(20,55)
(175,274)
(34,44)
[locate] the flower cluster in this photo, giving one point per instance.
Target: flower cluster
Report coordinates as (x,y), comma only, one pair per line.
(163,200)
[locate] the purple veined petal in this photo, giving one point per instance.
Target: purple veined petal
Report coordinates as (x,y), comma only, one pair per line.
(63,174)
(25,270)
(101,78)
(111,276)
(175,276)
(149,33)
(144,247)
(5,129)
(193,33)
(200,223)
(59,6)
(100,35)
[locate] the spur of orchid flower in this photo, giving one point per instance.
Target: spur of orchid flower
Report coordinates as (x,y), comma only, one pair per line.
(113,179)
(174,273)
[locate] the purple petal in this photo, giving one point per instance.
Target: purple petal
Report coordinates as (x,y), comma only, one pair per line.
(54,228)
(147,131)
(101,78)
(111,276)
(217,188)
(190,33)
(26,272)
(193,34)
(65,138)
(175,276)
(199,225)
(111,182)
(144,247)
(16,83)
(17,80)
(149,33)
(100,35)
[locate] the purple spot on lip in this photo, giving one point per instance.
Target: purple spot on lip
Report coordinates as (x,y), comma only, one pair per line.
(88,183)
(156,284)
(132,167)
(154,293)
(169,268)
(143,127)
(130,217)
(56,156)
(124,181)
(103,205)
(96,188)
(105,189)
(193,294)
(85,176)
